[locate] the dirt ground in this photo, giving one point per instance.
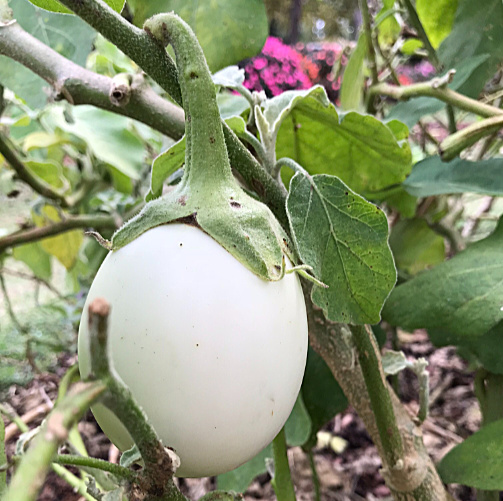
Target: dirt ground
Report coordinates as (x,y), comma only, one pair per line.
(349,474)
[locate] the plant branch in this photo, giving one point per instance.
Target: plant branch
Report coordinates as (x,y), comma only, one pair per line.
(452,145)
(436,88)
(160,462)
(24,236)
(25,175)
(134,42)
(80,86)
(155,61)
(32,470)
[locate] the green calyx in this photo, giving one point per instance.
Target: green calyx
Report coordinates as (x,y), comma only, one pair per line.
(208,196)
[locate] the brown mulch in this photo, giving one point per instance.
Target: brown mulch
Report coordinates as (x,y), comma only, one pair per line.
(349,475)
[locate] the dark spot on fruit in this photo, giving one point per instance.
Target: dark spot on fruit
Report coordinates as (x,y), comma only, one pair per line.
(13,194)
(197,344)
(181,245)
(235,205)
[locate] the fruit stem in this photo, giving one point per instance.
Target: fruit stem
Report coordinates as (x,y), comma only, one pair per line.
(206,160)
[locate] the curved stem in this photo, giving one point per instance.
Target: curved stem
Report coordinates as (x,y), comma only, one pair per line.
(206,154)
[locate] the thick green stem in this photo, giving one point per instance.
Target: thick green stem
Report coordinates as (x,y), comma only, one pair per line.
(367,26)
(282,479)
(206,157)
(77,483)
(380,399)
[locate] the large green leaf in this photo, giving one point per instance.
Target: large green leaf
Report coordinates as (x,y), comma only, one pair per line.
(322,396)
(54,6)
(353,80)
(486,350)
(35,257)
(478,29)
(437,18)
(416,246)
(107,135)
(478,461)
(409,112)
(228,30)
(434,177)
(345,239)
(359,149)
(298,425)
(462,295)
(68,35)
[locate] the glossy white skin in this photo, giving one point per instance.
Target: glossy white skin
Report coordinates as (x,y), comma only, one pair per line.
(213,354)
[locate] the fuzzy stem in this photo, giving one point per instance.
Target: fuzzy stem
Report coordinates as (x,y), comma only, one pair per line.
(380,400)
(99,464)
(78,484)
(282,479)
(133,41)
(206,155)
(33,468)
(371,55)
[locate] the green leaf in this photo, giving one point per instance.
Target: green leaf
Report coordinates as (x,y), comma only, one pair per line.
(411,46)
(416,246)
(478,461)
(52,29)
(487,350)
(228,30)
(359,149)
(394,362)
(437,18)
(50,172)
(345,239)
(63,247)
(107,135)
(389,28)
(231,104)
(54,6)
(462,295)
(409,112)
(166,164)
(353,80)
(231,77)
(434,177)
(322,396)
(477,30)
(298,425)
(239,479)
(35,257)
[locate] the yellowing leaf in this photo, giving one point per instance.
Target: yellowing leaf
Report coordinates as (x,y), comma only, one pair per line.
(37,140)
(63,247)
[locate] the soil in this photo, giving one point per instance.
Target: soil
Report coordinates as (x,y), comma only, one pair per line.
(349,470)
